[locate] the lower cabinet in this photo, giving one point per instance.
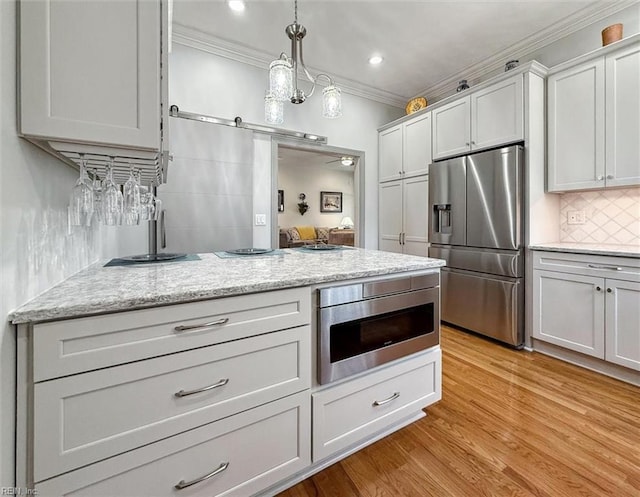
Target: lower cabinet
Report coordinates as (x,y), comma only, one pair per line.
(239,455)
(589,304)
(352,411)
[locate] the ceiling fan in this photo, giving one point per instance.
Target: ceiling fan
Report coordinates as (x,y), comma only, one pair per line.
(345,160)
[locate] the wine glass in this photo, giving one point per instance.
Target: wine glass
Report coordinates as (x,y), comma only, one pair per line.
(111,198)
(81,200)
(97,198)
(131,205)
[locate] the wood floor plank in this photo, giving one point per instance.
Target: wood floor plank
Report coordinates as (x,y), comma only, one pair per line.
(510,423)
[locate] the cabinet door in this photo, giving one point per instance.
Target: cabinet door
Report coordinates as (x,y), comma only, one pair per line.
(90,72)
(623,117)
(390,217)
(623,316)
(415,205)
(569,311)
(576,127)
(390,154)
(417,146)
(452,129)
(496,114)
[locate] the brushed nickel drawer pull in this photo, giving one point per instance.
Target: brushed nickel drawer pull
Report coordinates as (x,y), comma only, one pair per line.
(612,268)
(386,401)
(184,484)
(185,393)
(202,327)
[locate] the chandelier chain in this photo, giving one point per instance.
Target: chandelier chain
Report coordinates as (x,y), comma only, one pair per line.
(295,10)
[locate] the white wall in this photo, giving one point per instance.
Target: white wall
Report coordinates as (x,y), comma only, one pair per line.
(311,180)
(203,83)
(36,249)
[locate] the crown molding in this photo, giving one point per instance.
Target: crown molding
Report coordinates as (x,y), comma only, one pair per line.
(528,46)
(206,42)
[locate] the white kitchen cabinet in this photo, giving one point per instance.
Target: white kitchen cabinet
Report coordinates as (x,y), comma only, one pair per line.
(622,130)
(623,323)
(569,311)
(593,120)
(251,451)
(497,114)
(92,77)
(589,304)
(104,388)
(403,216)
(349,412)
(452,128)
(405,149)
(482,119)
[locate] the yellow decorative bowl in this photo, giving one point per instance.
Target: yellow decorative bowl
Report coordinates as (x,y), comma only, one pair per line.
(416,104)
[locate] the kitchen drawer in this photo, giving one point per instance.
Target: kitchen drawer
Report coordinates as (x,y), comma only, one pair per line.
(347,413)
(76,345)
(622,268)
(261,447)
(85,418)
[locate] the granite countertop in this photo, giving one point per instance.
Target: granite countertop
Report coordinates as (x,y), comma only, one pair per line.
(99,289)
(590,248)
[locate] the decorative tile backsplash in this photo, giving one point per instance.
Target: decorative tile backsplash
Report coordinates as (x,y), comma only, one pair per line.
(611,216)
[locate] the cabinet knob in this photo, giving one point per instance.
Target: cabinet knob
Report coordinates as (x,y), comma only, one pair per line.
(598,289)
(472,142)
(609,176)
(467,144)
(609,290)
(600,178)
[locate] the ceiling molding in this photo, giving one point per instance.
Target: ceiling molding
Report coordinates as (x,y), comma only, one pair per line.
(530,45)
(206,42)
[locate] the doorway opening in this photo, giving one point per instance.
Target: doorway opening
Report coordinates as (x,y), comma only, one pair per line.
(317,188)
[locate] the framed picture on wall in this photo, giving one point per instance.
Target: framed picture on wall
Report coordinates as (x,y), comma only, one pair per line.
(280,200)
(330,201)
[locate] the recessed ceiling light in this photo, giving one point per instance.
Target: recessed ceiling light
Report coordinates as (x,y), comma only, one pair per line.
(236,5)
(375,60)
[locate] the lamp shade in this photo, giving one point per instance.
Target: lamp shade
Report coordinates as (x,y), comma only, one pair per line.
(281,79)
(331,102)
(346,222)
(273,109)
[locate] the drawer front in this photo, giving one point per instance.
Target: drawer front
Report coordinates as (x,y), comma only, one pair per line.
(352,411)
(624,268)
(86,418)
(261,447)
(77,345)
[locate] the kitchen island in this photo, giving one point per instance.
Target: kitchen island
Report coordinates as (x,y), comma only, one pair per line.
(201,374)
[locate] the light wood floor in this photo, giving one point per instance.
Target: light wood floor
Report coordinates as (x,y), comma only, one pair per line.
(509,424)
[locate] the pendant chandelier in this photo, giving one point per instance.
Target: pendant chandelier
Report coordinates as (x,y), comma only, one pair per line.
(283,80)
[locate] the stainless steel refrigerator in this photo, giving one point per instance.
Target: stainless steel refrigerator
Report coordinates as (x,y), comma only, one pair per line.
(476,225)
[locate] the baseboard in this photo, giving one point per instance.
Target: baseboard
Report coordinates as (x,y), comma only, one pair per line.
(592,363)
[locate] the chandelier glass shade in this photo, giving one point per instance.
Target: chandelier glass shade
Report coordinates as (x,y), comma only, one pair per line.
(284,85)
(273,109)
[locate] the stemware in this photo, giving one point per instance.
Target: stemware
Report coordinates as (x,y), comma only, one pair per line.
(81,200)
(111,198)
(97,197)
(131,205)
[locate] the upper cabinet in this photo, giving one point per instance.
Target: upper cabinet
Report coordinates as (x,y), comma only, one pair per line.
(405,149)
(593,121)
(91,76)
(485,118)
(452,129)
